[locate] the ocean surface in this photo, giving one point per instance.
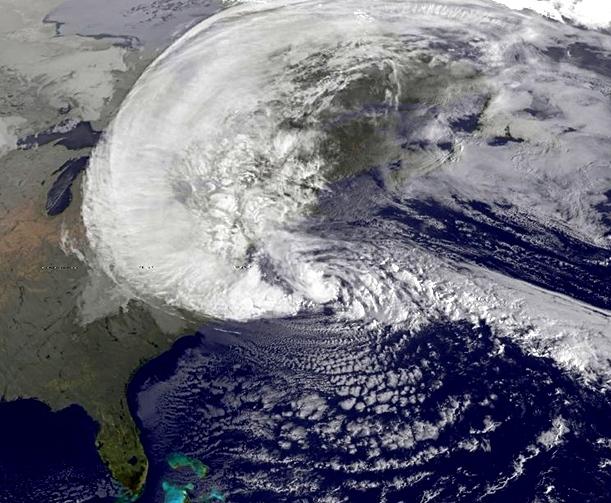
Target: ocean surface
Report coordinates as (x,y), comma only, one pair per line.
(483,421)
(50,455)
(308,409)
(398,216)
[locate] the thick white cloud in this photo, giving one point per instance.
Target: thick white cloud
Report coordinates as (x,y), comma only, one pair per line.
(589,13)
(8,138)
(200,196)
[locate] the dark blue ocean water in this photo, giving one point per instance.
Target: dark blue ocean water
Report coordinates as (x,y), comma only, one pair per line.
(498,237)
(304,409)
(48,456)
(264,404)
(498,442)
(463,415)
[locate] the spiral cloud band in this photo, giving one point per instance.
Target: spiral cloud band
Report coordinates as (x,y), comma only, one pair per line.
(229,183)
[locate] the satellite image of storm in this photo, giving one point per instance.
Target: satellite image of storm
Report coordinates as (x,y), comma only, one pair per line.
(305,251)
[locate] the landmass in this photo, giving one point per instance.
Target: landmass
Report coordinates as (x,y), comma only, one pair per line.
(51,349)
(66,337)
